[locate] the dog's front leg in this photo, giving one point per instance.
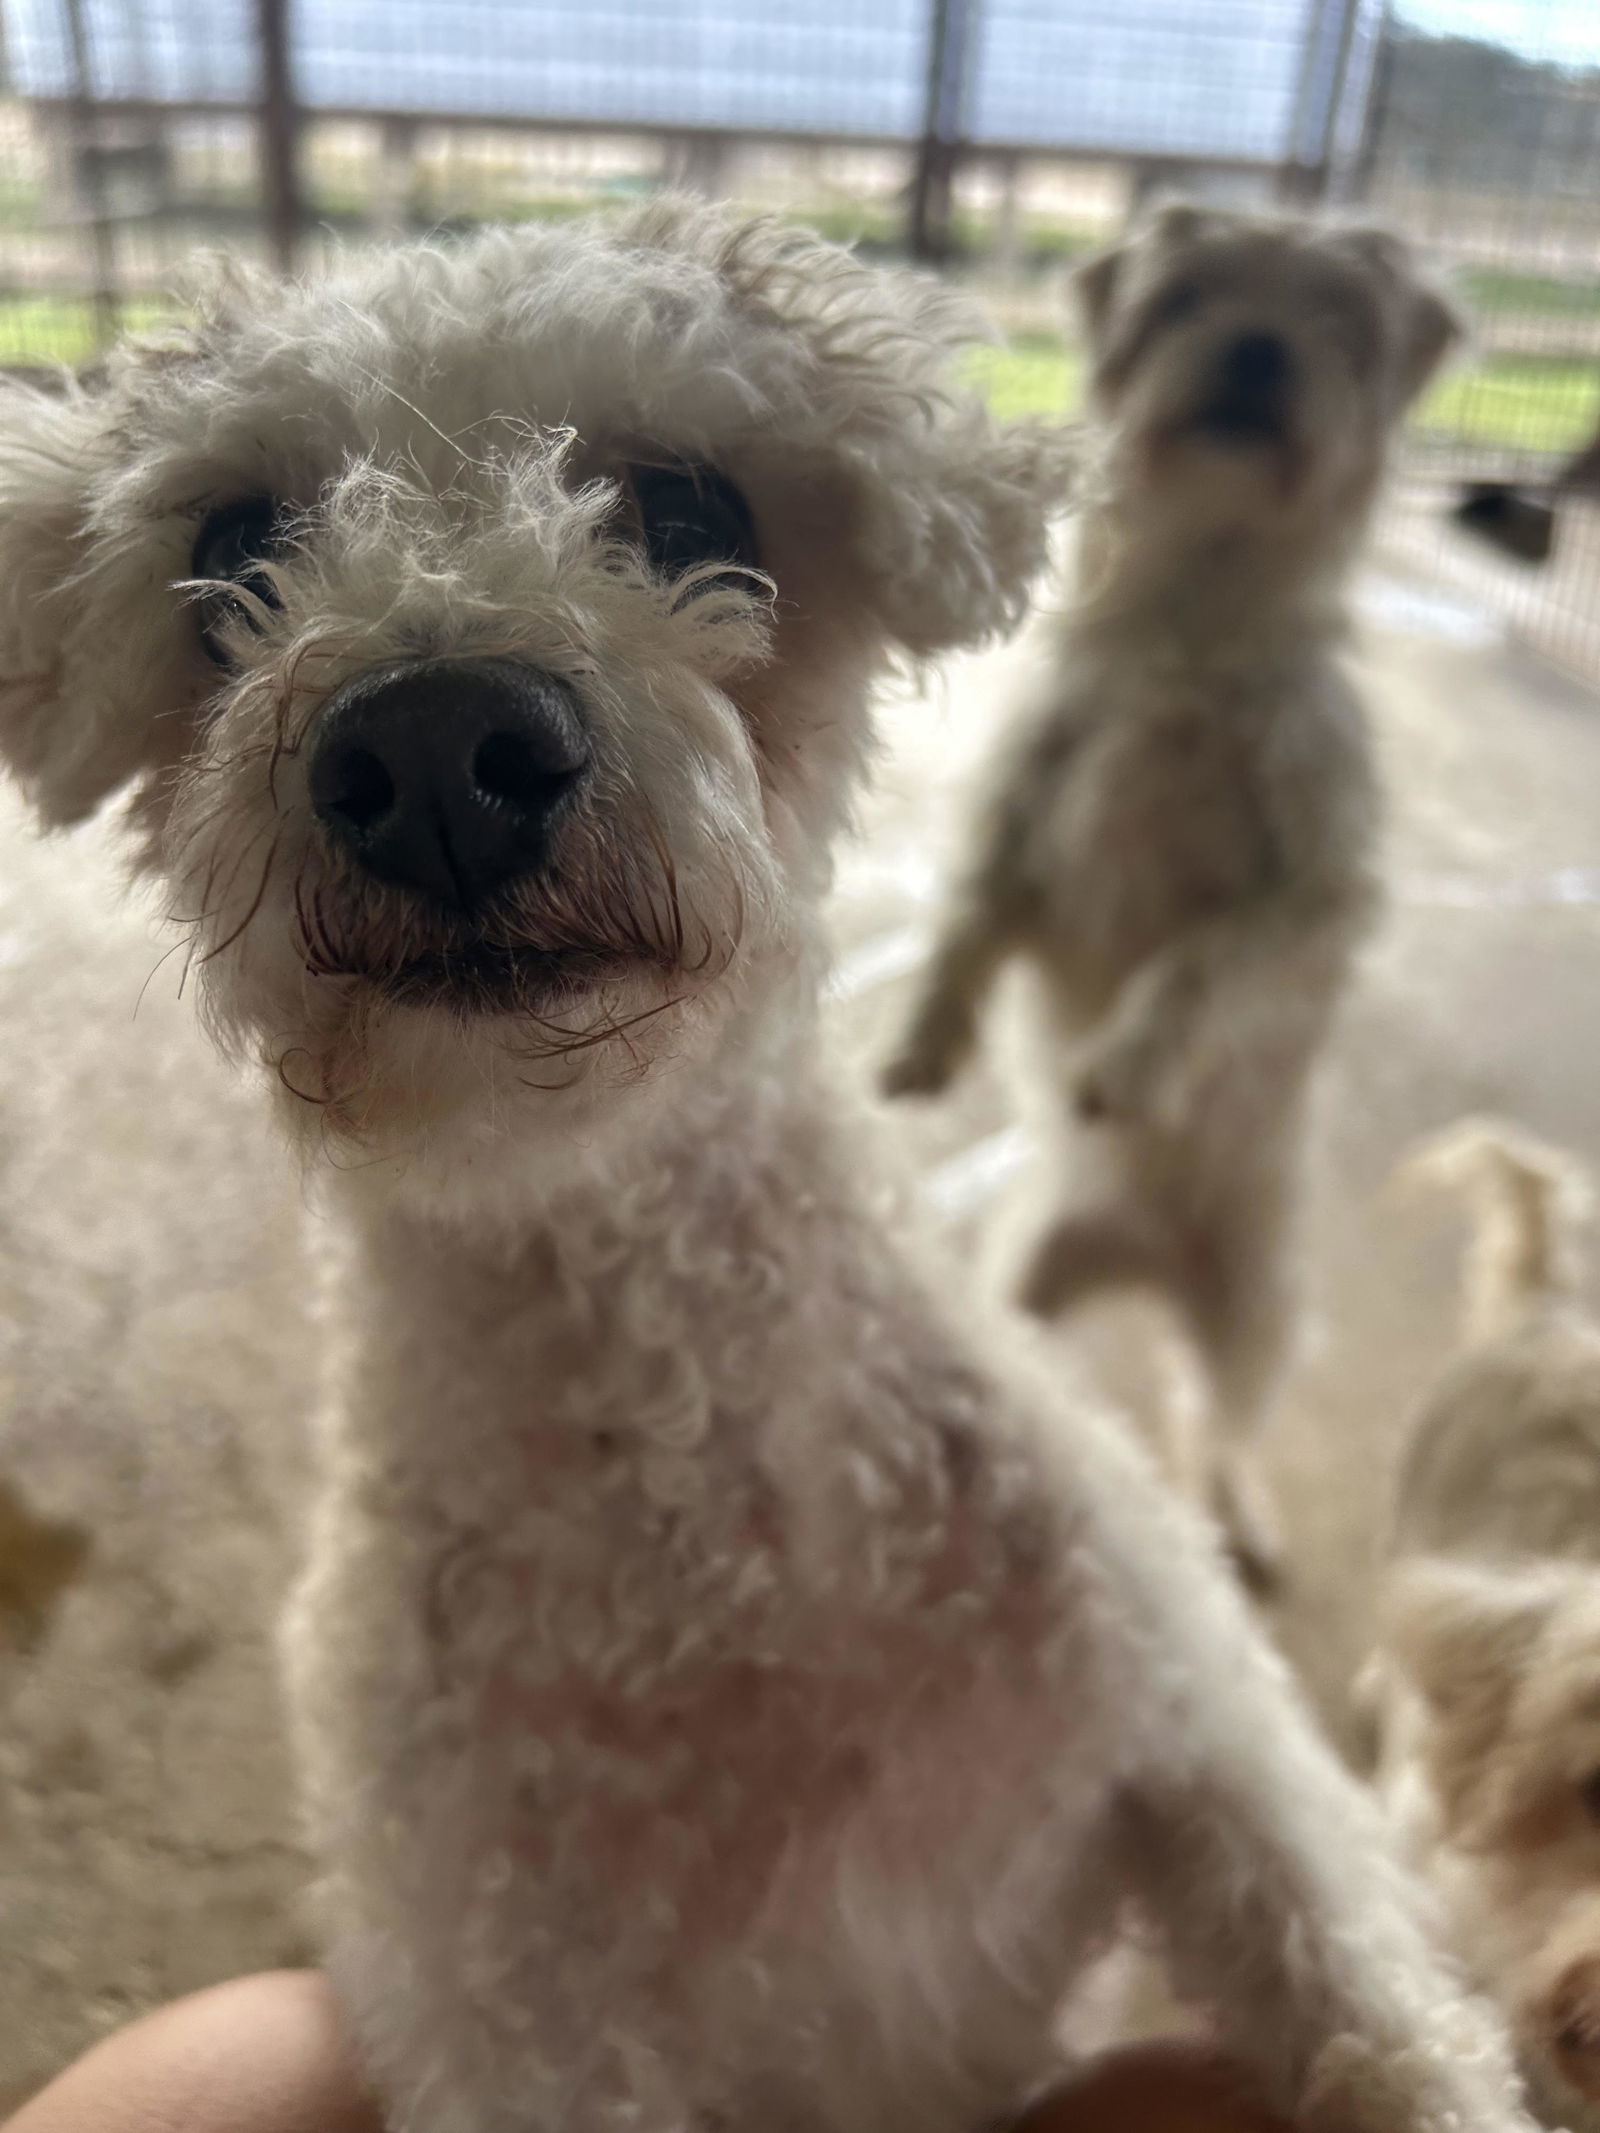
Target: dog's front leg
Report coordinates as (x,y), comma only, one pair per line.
(1283,1910)
(979,931)
(943,1027)
(1269,1872)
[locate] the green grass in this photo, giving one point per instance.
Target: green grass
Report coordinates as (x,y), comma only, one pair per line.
(61,329)
(1532,403)
(1034,374)
(1492,289)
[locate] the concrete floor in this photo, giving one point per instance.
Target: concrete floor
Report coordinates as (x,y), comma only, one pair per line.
(154,1364)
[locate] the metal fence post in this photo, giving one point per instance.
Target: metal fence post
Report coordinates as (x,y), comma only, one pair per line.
(279,134)
(1311,172)
(931,237)
(89,175)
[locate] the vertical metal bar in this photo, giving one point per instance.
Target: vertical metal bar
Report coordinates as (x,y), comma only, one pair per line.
(279,135)
(943,125)
(1329,28)
(1375,112)
(1335,177)
(88,170)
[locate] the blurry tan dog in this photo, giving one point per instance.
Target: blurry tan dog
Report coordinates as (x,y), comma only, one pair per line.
(1178,838)
(1486,1685)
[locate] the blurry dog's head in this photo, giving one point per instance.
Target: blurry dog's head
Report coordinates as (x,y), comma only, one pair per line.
(1249,369)
(485,635)
(1505,1664)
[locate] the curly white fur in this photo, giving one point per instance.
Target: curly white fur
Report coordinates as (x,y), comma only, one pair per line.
(726,1692)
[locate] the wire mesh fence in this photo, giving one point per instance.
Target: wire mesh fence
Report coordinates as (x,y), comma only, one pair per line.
(1001,137)
(1485,142)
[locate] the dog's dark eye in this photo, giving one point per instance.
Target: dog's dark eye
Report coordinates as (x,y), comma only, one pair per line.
(231,547)
(692,515)
(1176,304)
(1589,1793)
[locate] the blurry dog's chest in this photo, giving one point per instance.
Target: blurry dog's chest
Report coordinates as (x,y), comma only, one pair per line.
(1157,820)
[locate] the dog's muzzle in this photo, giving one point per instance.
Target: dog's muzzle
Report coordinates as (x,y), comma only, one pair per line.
(447,776)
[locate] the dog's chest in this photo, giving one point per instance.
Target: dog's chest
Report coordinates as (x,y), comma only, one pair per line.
(1157,819)
(619,1704)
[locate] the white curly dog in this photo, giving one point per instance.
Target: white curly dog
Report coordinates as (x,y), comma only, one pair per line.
(728,1694)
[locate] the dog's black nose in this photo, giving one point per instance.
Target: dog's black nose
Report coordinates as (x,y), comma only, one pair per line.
(1255,366)
(446,775)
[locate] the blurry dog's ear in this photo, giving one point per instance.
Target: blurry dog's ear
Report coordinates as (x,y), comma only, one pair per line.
(1098,282)
(1462,1636)
(1461,1631)
(1431,324)
(1094,285)
(1175,222)
(77,667)
(1435,327)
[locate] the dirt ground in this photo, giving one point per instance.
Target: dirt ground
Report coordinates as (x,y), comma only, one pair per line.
(155,1361)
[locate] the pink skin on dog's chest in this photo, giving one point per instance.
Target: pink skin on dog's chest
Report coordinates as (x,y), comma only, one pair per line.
(711,1752)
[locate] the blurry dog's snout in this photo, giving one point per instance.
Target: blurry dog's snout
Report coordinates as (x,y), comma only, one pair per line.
(447,776)
(1256,366)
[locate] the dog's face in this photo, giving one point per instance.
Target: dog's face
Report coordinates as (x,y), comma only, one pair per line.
(1253,367)
(485,636)
(1506,1666)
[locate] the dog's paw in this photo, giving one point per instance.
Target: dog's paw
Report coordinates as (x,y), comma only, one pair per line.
(918,1070)
(1115,1083)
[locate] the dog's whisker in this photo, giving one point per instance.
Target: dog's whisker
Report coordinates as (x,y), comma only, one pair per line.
(165,957)
(239,931)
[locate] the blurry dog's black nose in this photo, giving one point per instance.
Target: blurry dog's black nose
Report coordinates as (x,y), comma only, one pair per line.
(1255,366)
(446,775)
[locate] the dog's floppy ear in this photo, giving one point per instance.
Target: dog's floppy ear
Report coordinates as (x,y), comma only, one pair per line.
(1094,286)
(1468,1638)
(1434,329)
(1097,283)
(1430,324)
(955,526)
(948,510)
(1176,222)
(77,660)
(1462,1631)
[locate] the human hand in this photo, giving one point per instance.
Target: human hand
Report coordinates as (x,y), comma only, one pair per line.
(268,2054)
(263,2054)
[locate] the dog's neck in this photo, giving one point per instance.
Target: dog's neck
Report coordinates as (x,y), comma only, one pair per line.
(1205,591)
(608,1304)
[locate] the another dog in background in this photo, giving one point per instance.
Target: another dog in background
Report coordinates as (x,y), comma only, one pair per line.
(1486,1683)
(1178,842)
(729,1694)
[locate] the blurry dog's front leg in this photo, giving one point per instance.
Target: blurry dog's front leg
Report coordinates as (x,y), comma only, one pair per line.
(943,1026)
